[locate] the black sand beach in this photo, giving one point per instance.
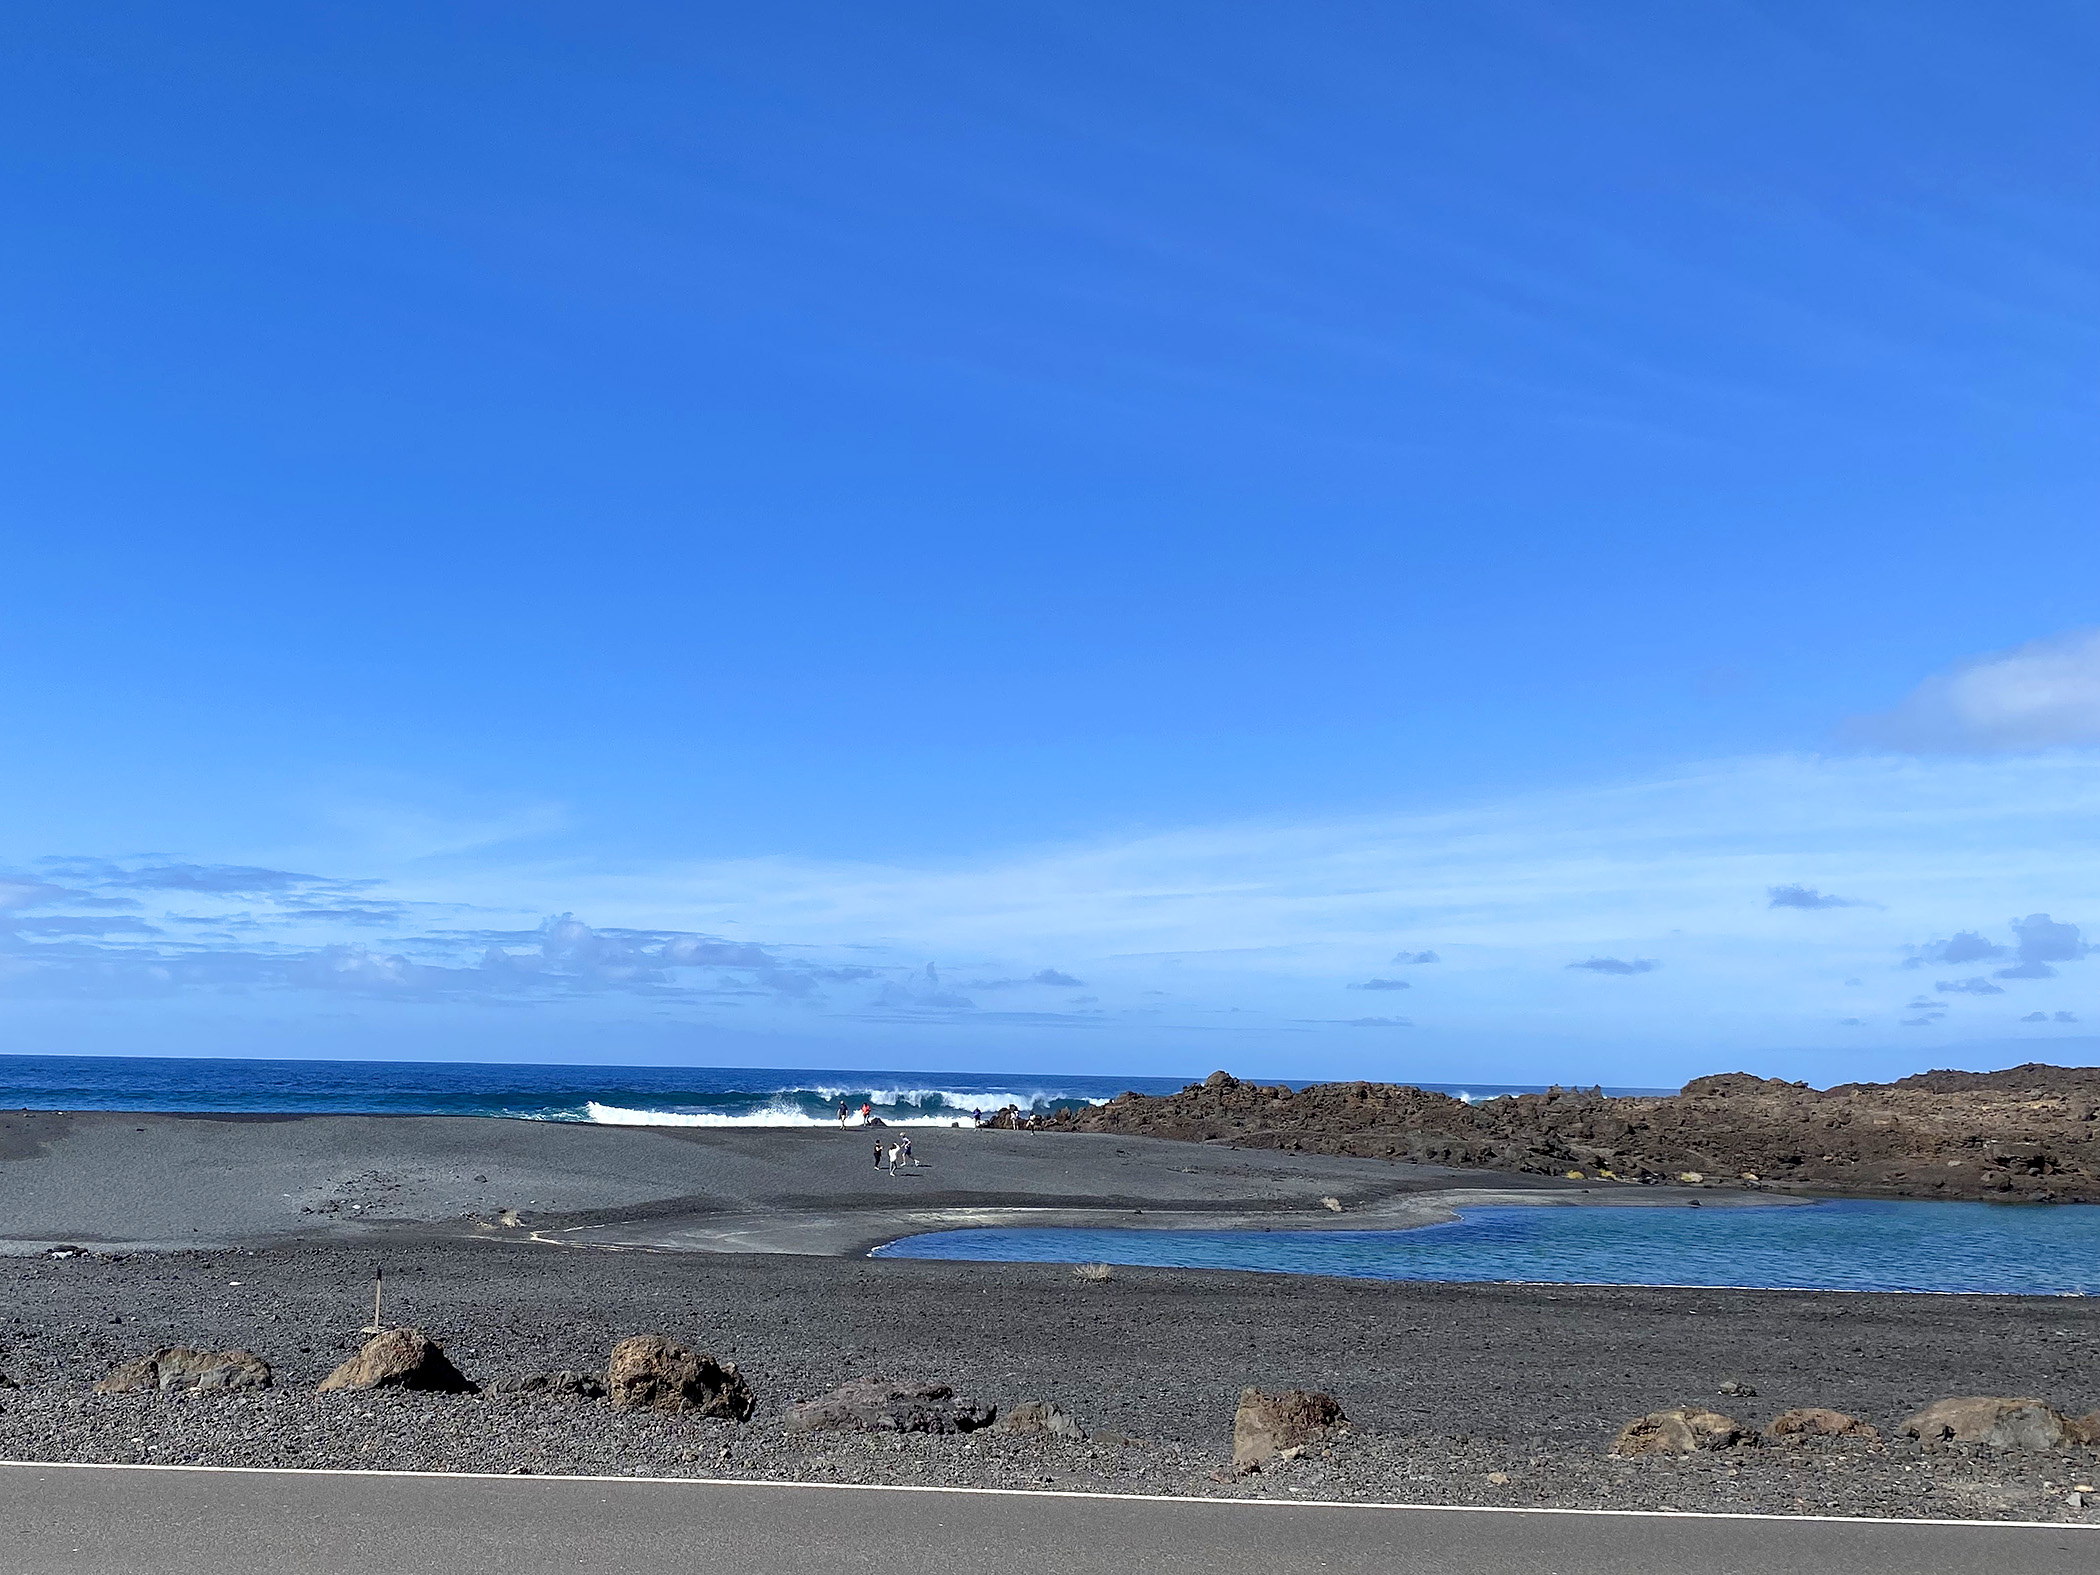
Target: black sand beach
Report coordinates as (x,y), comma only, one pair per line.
(1444,1384)
(140,1181)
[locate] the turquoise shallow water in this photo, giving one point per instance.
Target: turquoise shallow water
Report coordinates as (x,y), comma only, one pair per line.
(1847,1245)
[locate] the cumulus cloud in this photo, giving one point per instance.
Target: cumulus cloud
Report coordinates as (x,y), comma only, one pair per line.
(2039,943)
(1416,957)
(1807,897)
(1382,984)
(1964,946)
(1976,986)
(2036,696)
(2044,941)
(2050,1017)
(1617,965)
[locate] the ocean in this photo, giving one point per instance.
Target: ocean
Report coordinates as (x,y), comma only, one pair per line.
(611,1095)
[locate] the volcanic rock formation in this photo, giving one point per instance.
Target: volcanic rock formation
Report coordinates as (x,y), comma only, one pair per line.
(2029,1133)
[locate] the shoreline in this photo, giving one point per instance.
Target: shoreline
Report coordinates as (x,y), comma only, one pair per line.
(861,1232)
(140,1181)
(1448,1385)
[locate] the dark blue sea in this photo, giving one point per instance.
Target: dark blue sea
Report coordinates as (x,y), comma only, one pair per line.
(1849,1245)
(615,1095)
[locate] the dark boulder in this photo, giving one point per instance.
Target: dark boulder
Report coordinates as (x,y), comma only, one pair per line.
(178,1368)
(1681,1432)
(1994,1422)
(1265,1425)
(1813,1421)
(652,1372)
(400,1359)
(874,1405)
(1038,1418)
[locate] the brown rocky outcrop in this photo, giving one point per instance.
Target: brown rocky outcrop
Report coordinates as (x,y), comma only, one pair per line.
(399,1359)
(1813,1421)
(2029,1133)
(178,1368)
(875,1405)
(1265,1425)
(1683,1432)
(1992,1421)
(655,1373)
(1038,1418)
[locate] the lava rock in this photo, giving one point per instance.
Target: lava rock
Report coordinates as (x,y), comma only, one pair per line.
(1041,1417)
(400,1359)
(1265,1425)
(874,1405)
(1811,1421)
(1988,1420)
(653,1372)
(1936,1135)
(177,1367)
(1681,1432)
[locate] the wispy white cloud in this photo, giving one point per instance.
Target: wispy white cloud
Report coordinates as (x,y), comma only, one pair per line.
(1238,934)
(2042,695)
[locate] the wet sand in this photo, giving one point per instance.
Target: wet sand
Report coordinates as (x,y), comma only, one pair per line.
(132,1182)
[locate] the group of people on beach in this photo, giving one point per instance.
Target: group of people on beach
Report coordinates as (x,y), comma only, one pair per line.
(898,1153)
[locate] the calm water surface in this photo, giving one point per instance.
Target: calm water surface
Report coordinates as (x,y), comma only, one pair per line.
(1851,1245)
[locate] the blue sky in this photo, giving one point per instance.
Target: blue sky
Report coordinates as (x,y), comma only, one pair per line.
(784,535)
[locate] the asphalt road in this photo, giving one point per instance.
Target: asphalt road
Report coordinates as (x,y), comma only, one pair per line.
(61,1520)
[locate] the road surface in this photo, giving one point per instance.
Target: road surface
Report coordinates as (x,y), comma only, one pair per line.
(147,1520)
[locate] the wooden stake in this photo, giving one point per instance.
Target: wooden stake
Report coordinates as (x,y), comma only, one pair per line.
(375,1326)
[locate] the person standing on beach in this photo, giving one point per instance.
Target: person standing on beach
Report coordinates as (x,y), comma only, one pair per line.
(904,1149)
(893,1159)
(866,1110)
(842,1113)
(878,1153)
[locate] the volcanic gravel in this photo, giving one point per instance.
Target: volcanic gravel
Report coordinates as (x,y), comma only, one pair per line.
(1443,1384)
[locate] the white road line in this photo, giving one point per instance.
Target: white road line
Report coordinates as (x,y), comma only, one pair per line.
(1123,1498)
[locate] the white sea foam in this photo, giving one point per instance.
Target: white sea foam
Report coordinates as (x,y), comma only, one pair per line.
(951,1099)
(771,1116)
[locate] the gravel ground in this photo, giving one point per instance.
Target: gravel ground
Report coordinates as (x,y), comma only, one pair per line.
(1444,1384)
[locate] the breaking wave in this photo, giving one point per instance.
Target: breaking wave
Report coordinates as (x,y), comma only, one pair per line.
(772,1116)
(818,1106)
